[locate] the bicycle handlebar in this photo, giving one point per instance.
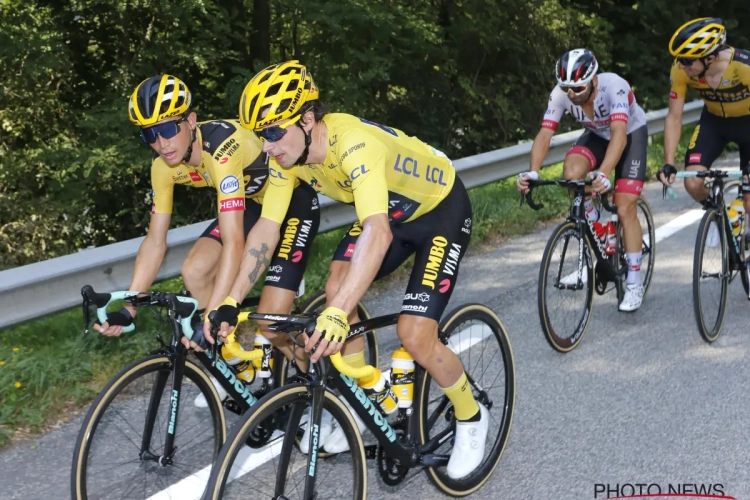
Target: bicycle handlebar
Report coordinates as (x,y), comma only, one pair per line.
(570,184)
(344,368)
(102,301)
(712,174)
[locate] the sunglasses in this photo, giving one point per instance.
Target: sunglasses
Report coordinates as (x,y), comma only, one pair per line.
(577,89)
(165,129)
(275,133)
(686,61)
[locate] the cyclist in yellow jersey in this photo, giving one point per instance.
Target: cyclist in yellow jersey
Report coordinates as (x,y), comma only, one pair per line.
(721,76)
(408,200)
(228,158)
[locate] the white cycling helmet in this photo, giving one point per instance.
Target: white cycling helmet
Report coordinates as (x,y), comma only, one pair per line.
(576,68)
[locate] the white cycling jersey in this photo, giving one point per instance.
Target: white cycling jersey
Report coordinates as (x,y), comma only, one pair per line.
(613,101)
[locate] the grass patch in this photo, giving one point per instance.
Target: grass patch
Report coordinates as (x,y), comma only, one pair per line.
(49,368)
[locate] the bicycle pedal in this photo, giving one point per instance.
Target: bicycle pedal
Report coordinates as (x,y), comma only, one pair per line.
(371,451)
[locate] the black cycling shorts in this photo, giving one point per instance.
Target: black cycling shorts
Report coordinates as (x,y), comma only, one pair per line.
(630,171)
(711,136)
(439,238)
(297,234)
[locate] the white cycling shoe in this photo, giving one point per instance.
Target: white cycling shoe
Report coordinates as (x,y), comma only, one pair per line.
(572,278)
(326,427)
(200,400)
(336,442)
(468,447)
(633,297)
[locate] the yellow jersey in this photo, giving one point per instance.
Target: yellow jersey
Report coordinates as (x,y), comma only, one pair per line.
(232,162)
(731,98)
(378,169)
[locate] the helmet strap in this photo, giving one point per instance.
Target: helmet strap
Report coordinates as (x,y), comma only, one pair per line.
(308,140)
(189,151)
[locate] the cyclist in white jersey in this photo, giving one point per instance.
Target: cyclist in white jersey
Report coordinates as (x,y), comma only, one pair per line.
(615,138)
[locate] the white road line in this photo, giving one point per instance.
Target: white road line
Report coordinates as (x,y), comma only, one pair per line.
(248,459)
(678,224)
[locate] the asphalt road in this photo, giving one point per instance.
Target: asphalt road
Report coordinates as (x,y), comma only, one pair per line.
(642,401)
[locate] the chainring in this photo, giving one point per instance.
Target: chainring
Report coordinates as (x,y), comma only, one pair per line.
(390,472)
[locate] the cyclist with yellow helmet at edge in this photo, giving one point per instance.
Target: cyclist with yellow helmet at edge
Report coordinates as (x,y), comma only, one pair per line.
(221,155)
(721,76)
(408,200)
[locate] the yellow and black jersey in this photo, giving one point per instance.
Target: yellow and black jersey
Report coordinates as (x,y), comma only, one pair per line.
(232,163)
(378,169)
(731,98)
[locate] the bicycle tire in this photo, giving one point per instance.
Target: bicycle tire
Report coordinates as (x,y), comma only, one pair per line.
(709,333)
(554,339)
(648,249)
(449,324)
(272,404)
(318,302)
(121,381)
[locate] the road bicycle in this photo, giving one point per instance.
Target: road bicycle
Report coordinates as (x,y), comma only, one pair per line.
(720,251)
(143,434)
(575,258)
(419,436)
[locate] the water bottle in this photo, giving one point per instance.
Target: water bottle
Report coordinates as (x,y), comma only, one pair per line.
(402,377)
(244,369)
(264,365)
(378,389)
(735,213)
(609,248)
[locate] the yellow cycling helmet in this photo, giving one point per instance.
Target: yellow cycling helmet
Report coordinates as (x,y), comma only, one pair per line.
(158,98)
(698,38)
(282,89)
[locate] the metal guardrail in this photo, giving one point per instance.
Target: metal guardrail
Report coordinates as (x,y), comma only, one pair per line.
(56,283)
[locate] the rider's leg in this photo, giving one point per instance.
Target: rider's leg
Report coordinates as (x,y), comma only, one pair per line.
(274,300)
(578,163)
(199,269)
(627,213)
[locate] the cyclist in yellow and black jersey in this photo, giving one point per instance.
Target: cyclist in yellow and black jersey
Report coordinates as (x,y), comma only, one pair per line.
(408,200)
(222,156)
(721,76)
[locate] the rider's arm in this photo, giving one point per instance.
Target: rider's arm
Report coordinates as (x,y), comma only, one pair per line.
(369,253)
(259,248)
(673,120)
(552,117)
(150,255)
(366,169)
(618,141)
(540,148)
(154,246)
(227,169)
(232,244)
(264,236)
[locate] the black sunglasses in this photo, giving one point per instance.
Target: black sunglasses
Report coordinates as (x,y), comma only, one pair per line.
(686,61)
(165,129)
(275,133)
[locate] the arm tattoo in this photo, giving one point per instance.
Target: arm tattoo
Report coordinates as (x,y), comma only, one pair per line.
(260,263)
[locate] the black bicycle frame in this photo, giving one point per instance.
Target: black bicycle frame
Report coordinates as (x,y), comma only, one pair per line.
(326,376)
(716,200)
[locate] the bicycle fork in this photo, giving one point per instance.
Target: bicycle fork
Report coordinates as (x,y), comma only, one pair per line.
(178,369)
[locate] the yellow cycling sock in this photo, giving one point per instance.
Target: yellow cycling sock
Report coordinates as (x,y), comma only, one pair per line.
(357,360)
(462,398)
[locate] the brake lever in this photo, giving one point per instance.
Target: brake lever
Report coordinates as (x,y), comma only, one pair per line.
(86,313)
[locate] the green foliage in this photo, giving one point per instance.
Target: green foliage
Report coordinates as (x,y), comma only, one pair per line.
(466,76)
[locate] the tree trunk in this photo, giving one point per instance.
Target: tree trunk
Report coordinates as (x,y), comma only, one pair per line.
(260,42)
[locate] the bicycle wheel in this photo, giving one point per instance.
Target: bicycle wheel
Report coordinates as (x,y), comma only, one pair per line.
(710,275)
(107,461)
(317,303)
(565,298)
(279,468)
(479,338)
(648,248)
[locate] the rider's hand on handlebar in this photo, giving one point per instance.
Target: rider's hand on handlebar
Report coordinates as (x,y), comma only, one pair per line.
(115,321)
(522,183)
(226,318)
(666,174)
(333,325)
(600,183)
